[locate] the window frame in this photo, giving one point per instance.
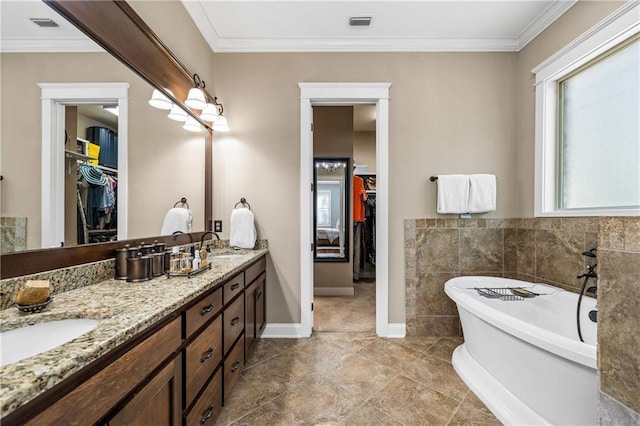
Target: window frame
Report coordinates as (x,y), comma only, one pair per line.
(606,35)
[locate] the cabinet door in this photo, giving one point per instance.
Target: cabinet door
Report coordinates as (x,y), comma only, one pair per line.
(157,403)
(249,317)
(261,304)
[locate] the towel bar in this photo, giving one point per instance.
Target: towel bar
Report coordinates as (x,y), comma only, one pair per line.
(242,201)
(182,201)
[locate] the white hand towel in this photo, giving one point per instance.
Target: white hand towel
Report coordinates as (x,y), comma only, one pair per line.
(242,231)
(482,193)
(453,194)
(177,219)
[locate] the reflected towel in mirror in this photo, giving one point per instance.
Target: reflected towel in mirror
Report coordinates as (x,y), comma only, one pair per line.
(177,219)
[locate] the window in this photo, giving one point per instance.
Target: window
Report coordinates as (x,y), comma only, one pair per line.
(588,123)
(599,132)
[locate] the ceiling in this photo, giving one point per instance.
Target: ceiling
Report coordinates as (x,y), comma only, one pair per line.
(19,34)
(317,26)
(321,26)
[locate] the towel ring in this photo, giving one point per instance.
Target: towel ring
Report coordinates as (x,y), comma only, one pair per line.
(242,201)
(182,201)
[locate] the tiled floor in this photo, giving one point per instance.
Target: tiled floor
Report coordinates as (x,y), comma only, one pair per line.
(347,313)
(336,378)
(345,375)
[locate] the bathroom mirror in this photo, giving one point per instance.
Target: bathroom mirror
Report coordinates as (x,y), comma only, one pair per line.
(160,152)
(331,209)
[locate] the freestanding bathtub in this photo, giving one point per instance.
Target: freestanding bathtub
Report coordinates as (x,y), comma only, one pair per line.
(523,358)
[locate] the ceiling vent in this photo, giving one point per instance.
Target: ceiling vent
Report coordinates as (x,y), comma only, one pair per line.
(44,22)
(360,21)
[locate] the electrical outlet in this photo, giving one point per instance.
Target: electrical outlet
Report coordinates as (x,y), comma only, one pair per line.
(217,226)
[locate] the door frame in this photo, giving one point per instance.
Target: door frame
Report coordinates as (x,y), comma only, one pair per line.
(344,94)
(54,98)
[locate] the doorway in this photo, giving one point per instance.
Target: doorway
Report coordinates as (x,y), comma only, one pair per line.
(344,221)
(55,97)
(344,94)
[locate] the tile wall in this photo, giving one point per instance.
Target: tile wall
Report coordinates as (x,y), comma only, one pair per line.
(618,320)
(545,250)
(13,234)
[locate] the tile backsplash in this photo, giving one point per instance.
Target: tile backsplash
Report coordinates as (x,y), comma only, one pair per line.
(13,234)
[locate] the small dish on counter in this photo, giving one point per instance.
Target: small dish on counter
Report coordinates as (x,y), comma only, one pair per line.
(32,309)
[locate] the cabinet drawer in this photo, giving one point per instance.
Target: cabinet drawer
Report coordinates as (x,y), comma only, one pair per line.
(233,366)
(202,357)
(207,408)
(91,400)
(255,270)
(233,287)
(203,311)
(233,317)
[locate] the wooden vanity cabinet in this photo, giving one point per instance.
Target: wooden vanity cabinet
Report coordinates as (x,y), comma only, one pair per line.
(128,375)
(179,371)
(255,303)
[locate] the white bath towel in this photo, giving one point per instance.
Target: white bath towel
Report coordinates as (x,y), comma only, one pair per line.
(482,193)
(453,194)
(177,219)
(242,231)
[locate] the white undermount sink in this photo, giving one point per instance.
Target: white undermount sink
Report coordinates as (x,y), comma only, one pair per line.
(30,340)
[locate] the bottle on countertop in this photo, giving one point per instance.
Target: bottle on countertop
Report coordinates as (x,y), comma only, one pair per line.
(196,260)
(203,256)
(175,266)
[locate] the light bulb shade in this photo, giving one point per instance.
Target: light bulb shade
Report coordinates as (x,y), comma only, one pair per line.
(196,99)
(210,113)
(160,101)
(192,125)
(221,125)
(178,114)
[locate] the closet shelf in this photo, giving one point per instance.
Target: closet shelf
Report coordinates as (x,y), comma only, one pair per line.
(78,156)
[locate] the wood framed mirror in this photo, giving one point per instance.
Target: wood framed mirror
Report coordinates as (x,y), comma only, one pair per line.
(136,46)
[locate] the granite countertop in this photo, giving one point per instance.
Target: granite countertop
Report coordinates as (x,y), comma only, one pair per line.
(124,309)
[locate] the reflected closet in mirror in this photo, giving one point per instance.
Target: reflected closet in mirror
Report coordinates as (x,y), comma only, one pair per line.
(331,209)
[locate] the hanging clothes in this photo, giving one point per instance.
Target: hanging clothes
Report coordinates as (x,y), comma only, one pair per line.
(359,197)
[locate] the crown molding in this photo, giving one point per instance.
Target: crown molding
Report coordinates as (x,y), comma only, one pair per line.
(366,45)
(542,21)
(49,46)
(201,19)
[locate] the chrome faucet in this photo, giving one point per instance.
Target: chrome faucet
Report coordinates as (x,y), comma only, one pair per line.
(204,235)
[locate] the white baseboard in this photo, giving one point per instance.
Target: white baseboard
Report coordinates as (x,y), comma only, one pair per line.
(333,291)
(283,331)
(397,330)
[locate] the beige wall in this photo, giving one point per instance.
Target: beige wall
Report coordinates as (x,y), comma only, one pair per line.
(364,149)
(567,28)
(165,161)
(333,137)
(449,113)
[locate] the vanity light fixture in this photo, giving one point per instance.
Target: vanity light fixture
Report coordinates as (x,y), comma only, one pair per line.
(160,101)
(178,114)
(196,98)
(210,112)
(192,125)
(221,125)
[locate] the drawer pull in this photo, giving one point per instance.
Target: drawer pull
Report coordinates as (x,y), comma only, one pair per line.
(207,415)
(235,320)
(206,355)
(206,309)
(258,293)
(235,366)
(235,286)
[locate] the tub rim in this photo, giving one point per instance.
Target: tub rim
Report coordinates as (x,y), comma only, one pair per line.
(581,353)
